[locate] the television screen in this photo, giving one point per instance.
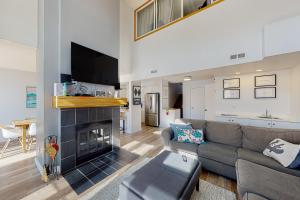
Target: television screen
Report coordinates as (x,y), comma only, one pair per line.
(91,66)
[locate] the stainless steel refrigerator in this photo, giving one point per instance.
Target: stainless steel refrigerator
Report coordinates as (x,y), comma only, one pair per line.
(152,109)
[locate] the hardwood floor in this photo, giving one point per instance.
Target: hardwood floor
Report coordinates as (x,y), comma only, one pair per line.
(21,180)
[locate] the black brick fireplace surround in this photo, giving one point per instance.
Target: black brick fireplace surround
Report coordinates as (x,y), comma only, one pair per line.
(104,122)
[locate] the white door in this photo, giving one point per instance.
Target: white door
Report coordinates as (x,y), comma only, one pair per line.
(198,103)
(210,102)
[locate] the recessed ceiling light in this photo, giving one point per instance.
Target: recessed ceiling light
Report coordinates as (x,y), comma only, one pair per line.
(237,73)
(259,70)
(187,78)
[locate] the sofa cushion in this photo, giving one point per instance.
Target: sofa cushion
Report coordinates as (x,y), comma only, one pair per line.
(257,139)
(184,147)
(269,183)
(251,196)
(196,124)
(224,133)
(261,159)
(218,152)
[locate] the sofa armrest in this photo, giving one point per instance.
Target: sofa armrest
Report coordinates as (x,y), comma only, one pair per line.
(167,135)
(266,182)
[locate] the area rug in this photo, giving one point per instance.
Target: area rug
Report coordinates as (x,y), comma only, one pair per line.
(207,191)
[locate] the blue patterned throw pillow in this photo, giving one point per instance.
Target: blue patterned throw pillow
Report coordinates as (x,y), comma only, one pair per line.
(194,136)
(175,128)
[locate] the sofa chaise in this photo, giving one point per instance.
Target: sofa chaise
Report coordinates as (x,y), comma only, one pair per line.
(235,151)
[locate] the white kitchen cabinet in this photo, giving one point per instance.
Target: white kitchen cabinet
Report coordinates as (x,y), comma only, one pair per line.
(241,121)
(224,119)
(275,124)
(264,123)
(260,123)
(287,125)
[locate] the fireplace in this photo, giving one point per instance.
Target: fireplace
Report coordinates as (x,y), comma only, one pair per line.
(87,133)
(93,139)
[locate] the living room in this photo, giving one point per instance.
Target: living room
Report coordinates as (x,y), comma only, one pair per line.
(233,134)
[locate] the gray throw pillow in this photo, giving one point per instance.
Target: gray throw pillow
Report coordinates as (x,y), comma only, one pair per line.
(284,152)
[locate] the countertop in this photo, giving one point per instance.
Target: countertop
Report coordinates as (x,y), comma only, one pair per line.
(252,117)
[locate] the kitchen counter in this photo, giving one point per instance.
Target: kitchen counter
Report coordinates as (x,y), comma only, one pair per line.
(257,118)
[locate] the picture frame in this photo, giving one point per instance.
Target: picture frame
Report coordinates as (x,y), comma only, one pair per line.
(137,94)
(231,94)
(31,97)
(231,83)
(265,80)
(265,93)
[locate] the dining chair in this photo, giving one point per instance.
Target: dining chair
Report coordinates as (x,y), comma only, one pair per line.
(31,134)
(10,133)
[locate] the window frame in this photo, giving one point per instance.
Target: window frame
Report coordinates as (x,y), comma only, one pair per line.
(136,37)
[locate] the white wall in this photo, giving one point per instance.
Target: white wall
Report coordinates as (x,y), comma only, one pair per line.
(150,86)
(295,93)
(207,39)
(279,36)
(248,105)
(18,21)
(285,106)
(48,72)
(126,40)
(134,123)
(13,100)
(91,23)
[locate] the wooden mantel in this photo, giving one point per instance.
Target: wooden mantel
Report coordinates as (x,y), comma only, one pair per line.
(86,102)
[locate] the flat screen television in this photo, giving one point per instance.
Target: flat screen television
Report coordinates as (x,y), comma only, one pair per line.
(90,66)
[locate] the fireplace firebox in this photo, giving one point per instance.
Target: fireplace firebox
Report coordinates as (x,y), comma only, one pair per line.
(93,139)
(87,133)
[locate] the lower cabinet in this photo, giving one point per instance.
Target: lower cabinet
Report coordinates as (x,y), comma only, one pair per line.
(241,121)
(260,122)
(288,125)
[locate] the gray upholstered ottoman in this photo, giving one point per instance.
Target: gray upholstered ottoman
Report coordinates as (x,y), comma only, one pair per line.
(168,176)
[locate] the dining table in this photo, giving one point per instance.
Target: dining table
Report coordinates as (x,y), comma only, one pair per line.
(24,125)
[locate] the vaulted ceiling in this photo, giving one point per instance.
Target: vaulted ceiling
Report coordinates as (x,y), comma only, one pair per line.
(18,34)
(16,56)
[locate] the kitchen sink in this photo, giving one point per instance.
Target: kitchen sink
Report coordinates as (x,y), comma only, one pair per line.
(229,115)
(264,117)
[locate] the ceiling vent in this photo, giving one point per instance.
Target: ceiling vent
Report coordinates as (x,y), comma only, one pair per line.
(237,56)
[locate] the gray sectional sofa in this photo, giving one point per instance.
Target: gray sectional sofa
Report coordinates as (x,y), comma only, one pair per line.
(235,152)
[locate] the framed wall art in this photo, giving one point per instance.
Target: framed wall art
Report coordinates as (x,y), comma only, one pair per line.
(137,93)
(30,97)
(265,93)
(231,94)
(231,83)
(265,80)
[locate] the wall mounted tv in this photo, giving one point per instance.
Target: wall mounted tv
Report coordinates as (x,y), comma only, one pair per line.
(91,66)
